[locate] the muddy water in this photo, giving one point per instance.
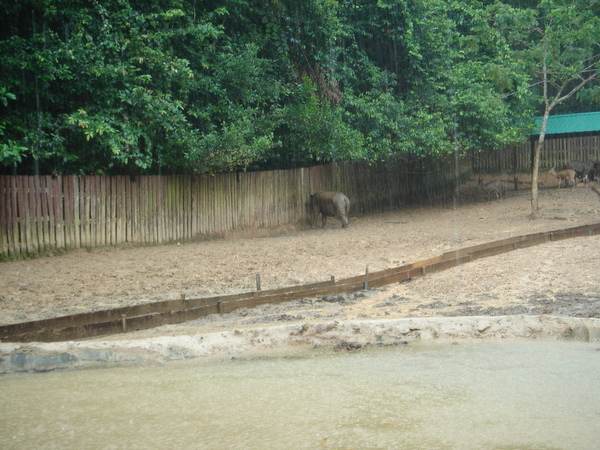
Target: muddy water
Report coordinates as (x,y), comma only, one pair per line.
(474,394)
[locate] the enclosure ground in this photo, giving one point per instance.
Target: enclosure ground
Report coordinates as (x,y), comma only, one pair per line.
(559,278)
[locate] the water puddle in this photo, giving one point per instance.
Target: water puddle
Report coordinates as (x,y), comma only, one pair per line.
(473,394)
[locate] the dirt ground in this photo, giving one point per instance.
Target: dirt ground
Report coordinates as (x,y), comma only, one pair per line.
(560,278)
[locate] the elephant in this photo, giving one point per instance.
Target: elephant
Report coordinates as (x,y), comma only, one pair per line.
(329,204)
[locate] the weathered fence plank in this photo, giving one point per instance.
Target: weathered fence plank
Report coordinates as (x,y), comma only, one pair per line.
(23,215)
(4,212)
(84,211)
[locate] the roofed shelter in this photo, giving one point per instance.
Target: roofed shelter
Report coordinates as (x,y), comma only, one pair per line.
(569,137)
(571,124)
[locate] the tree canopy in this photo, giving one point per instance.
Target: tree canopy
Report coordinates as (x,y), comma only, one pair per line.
(564,55)
(182,86)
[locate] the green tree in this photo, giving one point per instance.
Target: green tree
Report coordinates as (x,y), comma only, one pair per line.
(564,55)
(184,86)
(99,87)
(428,78)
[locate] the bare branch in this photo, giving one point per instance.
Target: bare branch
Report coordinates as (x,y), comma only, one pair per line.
(583,82)
(525,88)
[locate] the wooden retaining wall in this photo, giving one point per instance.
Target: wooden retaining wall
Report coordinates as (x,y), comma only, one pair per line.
(140,317)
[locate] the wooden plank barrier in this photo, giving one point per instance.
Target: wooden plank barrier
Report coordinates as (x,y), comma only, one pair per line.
(44,214)
(150,315)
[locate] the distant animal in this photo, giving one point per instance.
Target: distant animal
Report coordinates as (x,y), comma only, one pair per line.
(495,188)
(329,204)
(582,169)
(596,170)
(566,175)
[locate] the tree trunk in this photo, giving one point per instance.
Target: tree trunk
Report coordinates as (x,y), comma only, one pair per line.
(536,165)
(535,176)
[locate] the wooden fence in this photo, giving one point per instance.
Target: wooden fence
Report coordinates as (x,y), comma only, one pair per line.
(43,213)
(557,152)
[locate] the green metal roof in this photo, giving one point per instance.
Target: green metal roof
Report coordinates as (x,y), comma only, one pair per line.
(571,123)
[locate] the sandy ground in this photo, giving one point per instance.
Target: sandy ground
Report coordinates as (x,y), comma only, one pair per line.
(550,290)
(555,278)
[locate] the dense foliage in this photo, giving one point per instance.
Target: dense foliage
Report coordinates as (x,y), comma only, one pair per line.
(183,86)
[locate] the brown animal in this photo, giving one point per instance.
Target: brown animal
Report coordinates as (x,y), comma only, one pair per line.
(566,175)
(490,188)
(329,204)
